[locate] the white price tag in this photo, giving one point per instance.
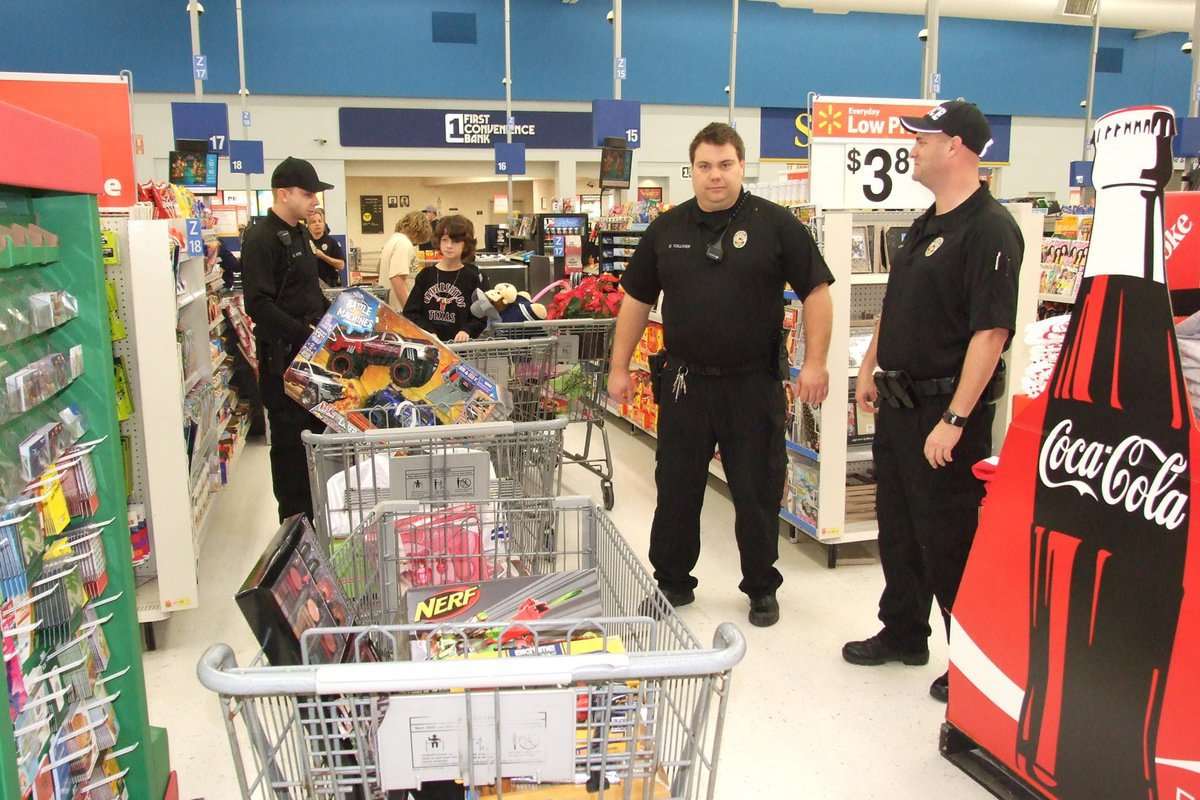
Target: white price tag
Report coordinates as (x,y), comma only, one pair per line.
(880,175)
(861,155)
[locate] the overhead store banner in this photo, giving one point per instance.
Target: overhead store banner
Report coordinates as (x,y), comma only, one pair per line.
(786,133)
(246,156)
(97,104)
(474,128)
(203,122)
(621,119)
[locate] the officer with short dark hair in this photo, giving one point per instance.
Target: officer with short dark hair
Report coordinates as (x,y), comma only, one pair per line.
(721,261)
(948,315)
(284,298)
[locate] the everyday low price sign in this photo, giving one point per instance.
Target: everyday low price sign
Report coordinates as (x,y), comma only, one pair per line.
(860,153)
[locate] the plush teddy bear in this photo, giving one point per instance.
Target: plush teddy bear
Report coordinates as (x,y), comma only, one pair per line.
(503,303)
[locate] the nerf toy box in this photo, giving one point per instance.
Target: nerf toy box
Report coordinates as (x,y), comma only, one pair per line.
(366,366)
(495,606)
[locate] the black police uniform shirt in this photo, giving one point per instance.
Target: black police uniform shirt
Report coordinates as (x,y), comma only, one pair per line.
(282,293)
(440,302)
(725,314)
(332,248)
(955,274)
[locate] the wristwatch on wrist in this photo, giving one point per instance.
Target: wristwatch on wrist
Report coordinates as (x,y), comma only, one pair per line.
(950,418)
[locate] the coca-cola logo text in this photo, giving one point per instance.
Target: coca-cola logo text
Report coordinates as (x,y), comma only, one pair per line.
(1174,235)
(1104,472)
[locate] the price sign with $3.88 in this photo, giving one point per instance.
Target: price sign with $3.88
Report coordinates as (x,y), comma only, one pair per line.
(881,175)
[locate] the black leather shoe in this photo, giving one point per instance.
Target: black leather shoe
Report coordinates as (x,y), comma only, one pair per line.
(764,611)
(653,606)
(940,688)
(677,599)
(874,651)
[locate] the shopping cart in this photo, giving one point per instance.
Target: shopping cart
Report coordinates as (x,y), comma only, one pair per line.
(641,720)
(350,472)
(377,291)
(523,366)
(578,388)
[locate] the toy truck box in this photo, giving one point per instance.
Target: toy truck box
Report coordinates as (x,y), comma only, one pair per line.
(364,356)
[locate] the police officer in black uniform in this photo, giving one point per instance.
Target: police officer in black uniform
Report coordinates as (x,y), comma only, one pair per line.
(284,298)
(721,261)
(948,315)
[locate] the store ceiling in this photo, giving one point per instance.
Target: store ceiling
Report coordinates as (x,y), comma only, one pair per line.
(1147,15)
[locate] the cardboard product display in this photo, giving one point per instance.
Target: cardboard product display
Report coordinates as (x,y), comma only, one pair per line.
(1075,642)
(366,366)
(291,589)
(495,604)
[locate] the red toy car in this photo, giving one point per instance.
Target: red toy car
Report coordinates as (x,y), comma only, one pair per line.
(410,364)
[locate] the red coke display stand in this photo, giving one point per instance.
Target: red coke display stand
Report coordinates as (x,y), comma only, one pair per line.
(1075,645)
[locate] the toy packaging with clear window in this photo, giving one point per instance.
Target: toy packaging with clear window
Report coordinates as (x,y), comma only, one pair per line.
(366,366)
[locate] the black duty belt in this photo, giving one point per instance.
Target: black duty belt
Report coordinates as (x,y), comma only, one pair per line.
(709,371)
(898,390)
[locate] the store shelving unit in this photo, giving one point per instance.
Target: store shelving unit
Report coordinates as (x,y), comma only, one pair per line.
(50,172)
(855,296)
(176,492)
(616,247)
(860,295)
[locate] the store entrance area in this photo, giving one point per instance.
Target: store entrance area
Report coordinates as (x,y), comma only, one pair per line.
(801,723)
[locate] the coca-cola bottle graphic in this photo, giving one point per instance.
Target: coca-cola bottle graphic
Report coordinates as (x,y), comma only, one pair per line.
(1111,502)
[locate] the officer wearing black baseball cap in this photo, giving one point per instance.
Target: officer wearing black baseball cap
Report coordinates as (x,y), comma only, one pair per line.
(955,118)
(298,173)
(948,315)
(284,298)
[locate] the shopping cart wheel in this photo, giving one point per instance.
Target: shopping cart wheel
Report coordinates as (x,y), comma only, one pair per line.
(606,489)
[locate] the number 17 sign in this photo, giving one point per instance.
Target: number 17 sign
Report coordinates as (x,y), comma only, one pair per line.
(861,154)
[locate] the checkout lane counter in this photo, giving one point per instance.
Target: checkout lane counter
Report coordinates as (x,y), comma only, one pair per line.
(502,269)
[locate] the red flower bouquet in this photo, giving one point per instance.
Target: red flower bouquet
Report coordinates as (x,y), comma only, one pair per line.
(596,297)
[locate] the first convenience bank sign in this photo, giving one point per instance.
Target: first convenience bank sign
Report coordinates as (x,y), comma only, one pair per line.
(482,128)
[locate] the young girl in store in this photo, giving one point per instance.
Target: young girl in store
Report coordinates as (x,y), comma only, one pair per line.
(440,300)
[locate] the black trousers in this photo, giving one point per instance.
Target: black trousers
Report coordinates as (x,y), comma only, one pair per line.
(289,465)
(927,517)
(744,416)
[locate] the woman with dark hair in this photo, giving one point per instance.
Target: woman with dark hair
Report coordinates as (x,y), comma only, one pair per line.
(440,301)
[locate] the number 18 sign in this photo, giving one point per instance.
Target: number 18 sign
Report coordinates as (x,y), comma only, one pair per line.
(861,154)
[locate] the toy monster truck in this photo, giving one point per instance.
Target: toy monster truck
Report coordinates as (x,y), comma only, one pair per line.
(409,363)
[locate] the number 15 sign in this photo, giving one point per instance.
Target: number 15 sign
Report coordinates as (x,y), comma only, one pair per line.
(861,154)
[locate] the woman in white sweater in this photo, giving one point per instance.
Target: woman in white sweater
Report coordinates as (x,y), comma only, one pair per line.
(400,260)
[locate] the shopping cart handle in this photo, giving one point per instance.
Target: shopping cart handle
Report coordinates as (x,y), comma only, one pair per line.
(401,436)
(218,671)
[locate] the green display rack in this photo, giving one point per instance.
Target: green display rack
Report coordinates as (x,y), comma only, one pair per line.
(50,173)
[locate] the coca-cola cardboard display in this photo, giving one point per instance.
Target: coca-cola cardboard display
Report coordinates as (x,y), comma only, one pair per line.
(1181,245)
(1075,649)
(366,366)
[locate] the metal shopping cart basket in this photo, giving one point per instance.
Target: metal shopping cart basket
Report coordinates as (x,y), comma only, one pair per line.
(578,387)
(642,719)
(523,366)
(350,472)
(377,291)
